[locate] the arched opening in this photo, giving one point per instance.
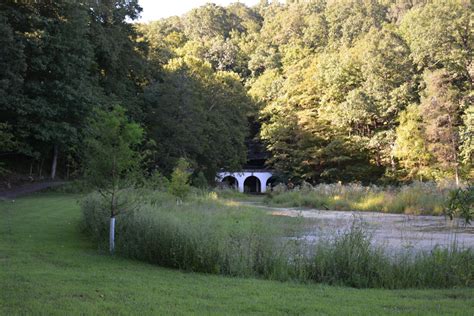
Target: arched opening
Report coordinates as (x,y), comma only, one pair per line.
(271,182)
(230,182)
(252,185)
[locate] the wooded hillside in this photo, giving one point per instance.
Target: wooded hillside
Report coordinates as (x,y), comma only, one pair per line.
(355,90)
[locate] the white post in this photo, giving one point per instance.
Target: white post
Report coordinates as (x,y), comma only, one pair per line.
(112,235)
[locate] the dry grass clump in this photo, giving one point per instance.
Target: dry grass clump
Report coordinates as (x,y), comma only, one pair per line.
(418,198)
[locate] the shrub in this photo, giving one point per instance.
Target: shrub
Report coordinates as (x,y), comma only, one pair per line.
(200,181)
(461,203)
(179,185)
(157,182)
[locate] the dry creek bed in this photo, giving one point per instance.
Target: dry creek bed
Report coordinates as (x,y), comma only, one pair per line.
(394,232)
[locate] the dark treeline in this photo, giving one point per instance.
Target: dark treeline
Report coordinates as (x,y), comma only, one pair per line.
(59,60)
(368,90)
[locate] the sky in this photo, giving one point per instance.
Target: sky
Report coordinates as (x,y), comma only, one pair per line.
(157,9)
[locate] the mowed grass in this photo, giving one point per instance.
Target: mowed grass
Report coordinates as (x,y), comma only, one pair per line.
(47,266)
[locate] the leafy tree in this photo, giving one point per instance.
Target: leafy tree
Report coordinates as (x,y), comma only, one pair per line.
(198,114)
(264,58)
(336,90)
(440,108)
(466,134)
(347,20)
(199,180)
(410,147)
(7,143)
(57,86)
(461,203)
(440,35)
(111,157)
(13,65)
(119,55)
(157,181)
(179,184)
(163,38)
(248,18)
(210,21)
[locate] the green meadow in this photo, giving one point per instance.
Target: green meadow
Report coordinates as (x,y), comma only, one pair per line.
(48,266)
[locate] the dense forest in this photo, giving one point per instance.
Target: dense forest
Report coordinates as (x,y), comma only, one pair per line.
(353,90)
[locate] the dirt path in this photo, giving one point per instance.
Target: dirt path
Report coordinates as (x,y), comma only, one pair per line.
(28,188)
(394,232)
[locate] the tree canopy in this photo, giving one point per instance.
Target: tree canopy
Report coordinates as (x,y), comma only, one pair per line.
(373,90)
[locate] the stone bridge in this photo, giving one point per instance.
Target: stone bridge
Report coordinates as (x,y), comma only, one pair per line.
(248,181)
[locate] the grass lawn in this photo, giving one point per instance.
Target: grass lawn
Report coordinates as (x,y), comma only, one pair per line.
(48,267)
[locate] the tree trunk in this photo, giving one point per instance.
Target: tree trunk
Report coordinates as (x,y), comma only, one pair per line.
(55,162)
(456,170)
(112,235)
(41,168)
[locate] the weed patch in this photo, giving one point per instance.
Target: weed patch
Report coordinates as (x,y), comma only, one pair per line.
(209,235)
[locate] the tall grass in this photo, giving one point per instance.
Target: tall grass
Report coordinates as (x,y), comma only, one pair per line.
(203,235)
(417,198)
(208,235)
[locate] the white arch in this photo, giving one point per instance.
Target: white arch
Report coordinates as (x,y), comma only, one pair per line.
(231,176)
(241,176)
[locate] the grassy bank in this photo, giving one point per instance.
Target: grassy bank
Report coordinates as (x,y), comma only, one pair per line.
(48,267)
(417,198)
(206,234)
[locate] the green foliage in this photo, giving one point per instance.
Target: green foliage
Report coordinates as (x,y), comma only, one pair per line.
(410,147)
(466,138)
(157,182)
(179,184)
(199,180)
(7,143)
(440,35)
(440,108)
(111,158)
(329,87)
(461,204)
(207,112)
(58,88)
(7,139)
(61,60)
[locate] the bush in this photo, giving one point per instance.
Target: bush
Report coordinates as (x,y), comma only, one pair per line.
(179,185)
(461,203)
(209,235)
(200,181)
(157,182)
